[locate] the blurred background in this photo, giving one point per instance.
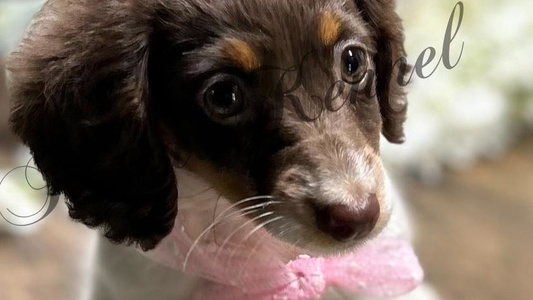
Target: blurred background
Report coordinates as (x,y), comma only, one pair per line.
(466,168)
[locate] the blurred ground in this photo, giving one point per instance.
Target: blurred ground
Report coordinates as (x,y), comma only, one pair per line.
(476,229)
(47,265)
(475,238)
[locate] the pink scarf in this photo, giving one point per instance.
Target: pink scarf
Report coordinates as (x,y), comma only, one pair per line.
(240,265)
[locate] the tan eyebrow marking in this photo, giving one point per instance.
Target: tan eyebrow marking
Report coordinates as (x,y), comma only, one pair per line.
(330,28)
(242,53)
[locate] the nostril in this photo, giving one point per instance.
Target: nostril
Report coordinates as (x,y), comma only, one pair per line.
(344,222)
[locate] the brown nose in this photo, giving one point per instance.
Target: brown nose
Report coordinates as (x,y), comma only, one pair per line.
(345,223)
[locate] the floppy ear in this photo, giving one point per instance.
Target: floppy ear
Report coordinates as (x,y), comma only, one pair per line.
(387,32)
(81,103)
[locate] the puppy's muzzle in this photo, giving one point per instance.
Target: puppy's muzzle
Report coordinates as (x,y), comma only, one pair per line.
(332,193)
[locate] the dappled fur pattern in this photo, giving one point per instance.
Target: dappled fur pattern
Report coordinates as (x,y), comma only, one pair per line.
(85,84)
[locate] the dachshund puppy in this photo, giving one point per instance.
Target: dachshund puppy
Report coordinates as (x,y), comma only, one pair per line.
(118,98)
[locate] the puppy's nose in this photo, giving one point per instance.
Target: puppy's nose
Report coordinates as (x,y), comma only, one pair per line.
(344,222)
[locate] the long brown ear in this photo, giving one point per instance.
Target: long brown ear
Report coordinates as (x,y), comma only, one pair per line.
(80,95)
(387,31)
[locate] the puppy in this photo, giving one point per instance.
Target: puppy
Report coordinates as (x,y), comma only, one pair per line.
(120,99)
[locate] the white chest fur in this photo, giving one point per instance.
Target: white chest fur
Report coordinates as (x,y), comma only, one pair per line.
(123,273)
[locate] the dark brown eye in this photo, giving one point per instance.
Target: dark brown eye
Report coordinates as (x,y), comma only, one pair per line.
(224,98)
(354,65)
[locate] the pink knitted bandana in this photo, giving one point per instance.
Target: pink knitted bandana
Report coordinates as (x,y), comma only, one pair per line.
(243,261)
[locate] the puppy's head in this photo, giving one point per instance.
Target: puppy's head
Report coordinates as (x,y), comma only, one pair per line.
(280,98)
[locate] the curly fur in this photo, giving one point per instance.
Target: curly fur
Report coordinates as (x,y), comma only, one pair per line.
(81,103)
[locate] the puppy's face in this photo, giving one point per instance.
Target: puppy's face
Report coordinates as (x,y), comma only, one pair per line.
(276,98)
(270,104)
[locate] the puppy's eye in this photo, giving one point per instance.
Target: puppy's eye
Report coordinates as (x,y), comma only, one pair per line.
(354,65)
(224,97)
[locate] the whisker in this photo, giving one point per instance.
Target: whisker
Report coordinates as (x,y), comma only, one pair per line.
(269,213)
(251,199)
(222,217)
(244,201)
(283,232)
(258,227)
(213,225)
(243,210)
(260,240)
(214,217)
(238,213)
(261,226)
(242,213)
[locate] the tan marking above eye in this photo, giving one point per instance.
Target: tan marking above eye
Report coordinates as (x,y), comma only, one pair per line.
(241,52)
(330,28)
